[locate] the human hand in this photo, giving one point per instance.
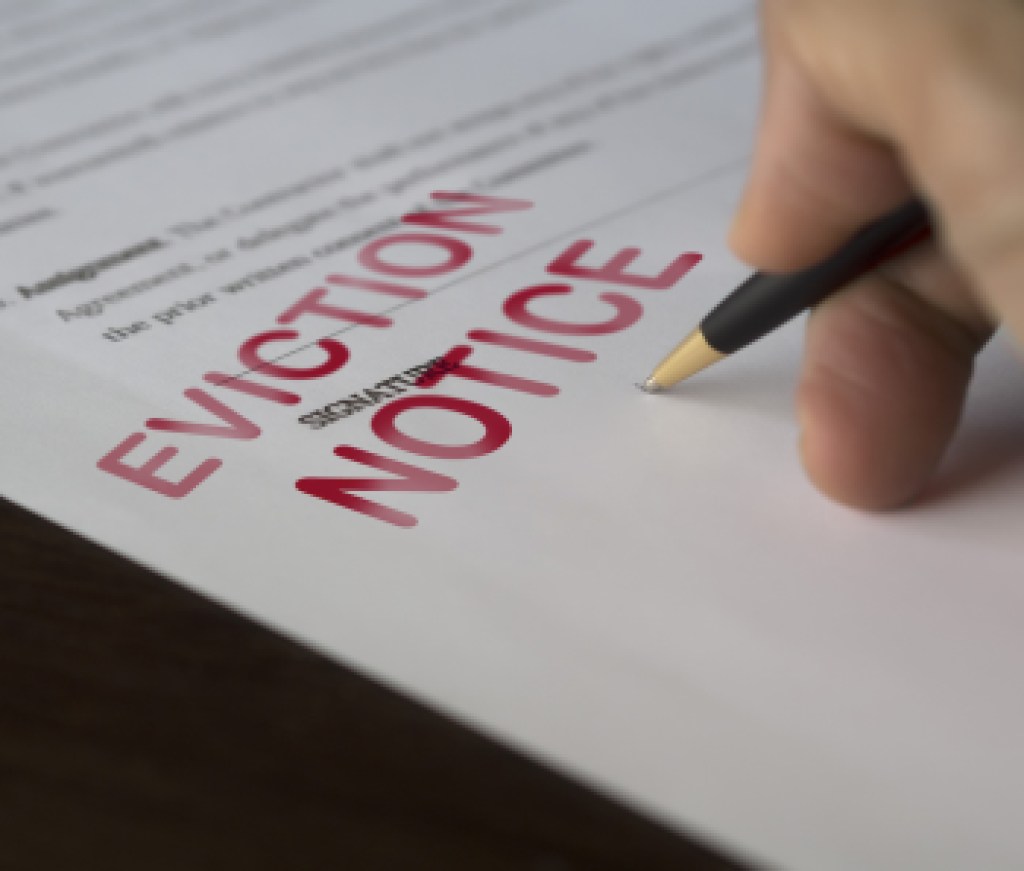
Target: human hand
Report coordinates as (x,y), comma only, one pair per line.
(867,102)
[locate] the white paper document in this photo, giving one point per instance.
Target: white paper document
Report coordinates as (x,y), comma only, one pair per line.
(334,311)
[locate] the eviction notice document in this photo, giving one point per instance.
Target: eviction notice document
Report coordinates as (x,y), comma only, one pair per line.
(334,311)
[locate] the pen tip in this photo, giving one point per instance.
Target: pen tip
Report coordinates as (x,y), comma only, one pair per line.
(650,386)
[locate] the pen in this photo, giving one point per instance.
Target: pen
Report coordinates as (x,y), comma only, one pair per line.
(766,301)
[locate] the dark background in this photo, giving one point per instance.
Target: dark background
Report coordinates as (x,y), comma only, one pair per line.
(143,727)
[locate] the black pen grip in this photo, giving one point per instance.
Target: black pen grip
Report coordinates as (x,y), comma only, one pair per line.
(766,301)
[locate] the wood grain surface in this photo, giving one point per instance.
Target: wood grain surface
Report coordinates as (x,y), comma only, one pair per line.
(143,727)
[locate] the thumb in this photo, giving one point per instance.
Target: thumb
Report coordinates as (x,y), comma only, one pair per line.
(888,362)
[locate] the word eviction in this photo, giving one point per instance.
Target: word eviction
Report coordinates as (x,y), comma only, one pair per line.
(546,315)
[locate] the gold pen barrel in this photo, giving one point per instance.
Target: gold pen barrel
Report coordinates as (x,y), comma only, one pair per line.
(689,357)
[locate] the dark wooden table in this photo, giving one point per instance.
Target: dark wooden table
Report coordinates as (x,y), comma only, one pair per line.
(143,727)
